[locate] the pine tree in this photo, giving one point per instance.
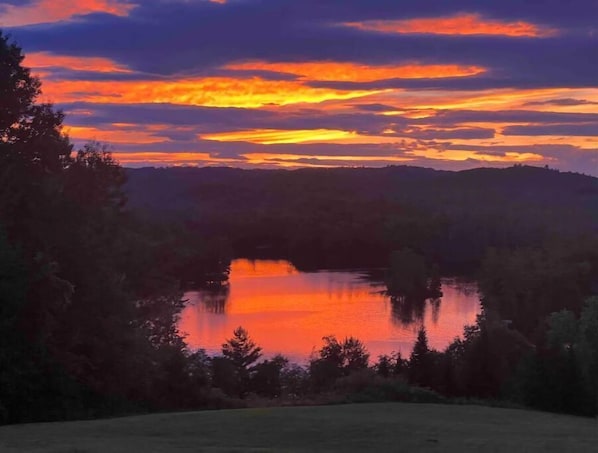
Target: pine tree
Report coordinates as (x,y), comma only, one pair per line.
(242,353)
(420,360)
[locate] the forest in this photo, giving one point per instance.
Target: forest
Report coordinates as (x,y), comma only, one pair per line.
(354,217)
(94,259)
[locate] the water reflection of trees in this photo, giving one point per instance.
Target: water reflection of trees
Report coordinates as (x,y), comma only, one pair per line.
(214,300)
(465,287)
(409,311)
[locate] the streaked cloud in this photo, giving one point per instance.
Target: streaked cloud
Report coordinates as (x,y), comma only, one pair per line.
(293,160)
(161,159)
(251,92)
(50,11)
(352,72)
(272,136)
(462,24)
(47,60)
(561,102)
(116,134)
(287,83)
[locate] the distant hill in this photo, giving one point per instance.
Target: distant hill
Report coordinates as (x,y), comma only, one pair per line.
(176,188)
(369,210)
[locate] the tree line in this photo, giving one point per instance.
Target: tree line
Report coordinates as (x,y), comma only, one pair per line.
(92,270)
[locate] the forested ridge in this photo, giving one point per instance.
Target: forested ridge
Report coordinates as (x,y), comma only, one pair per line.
(354,217)
(94,259)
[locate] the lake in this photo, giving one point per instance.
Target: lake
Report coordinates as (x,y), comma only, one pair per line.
(288,311)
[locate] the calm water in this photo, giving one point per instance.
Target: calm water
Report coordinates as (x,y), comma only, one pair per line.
(288,312)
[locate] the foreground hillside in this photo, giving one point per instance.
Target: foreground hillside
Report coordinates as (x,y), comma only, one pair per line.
(373,427)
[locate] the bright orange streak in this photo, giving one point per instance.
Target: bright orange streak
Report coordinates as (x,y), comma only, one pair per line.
(47,11)
(352,72)
(211,92)
(462,155)
(464,24)
(261,158)
(39,60)
(280,136)
(412,114)
(275,136)
(581,142)
(169,158)
(117,135)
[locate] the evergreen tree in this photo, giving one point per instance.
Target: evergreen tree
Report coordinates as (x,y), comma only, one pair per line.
(242,353)
(420,360)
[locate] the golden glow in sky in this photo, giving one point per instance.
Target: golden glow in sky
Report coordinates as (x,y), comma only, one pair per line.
(240,83)
(351,72)
(273,136)
(253,92)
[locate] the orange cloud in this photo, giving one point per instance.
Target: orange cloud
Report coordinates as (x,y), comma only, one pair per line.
(47,11)
(352,72)
(464,24)
(589,143)
(119,134)
(180,158)
(495,99)
(44,60)
(210,91)
(281,136)
(277,136)
(296,159)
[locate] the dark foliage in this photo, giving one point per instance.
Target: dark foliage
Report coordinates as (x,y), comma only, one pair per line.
(88,305)
(323,218)
(336,359)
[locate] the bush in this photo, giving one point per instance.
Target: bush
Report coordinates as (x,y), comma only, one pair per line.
(367,386)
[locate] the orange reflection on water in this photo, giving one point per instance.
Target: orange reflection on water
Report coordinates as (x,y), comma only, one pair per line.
(288,312)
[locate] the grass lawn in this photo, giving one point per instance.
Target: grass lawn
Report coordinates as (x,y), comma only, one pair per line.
(392,427)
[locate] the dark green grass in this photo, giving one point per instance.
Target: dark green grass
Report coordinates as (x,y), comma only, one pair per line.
(364,427)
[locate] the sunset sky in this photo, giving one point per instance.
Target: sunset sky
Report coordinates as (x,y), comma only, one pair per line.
(287,83)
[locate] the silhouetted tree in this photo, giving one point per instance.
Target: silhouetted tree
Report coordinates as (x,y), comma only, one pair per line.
(420,360)
(588,348)
(558,376)
(243,353)
(86,328)
(407,277)
(336,359)
(241,350)
(390,365)
(266,379)
(225,376)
